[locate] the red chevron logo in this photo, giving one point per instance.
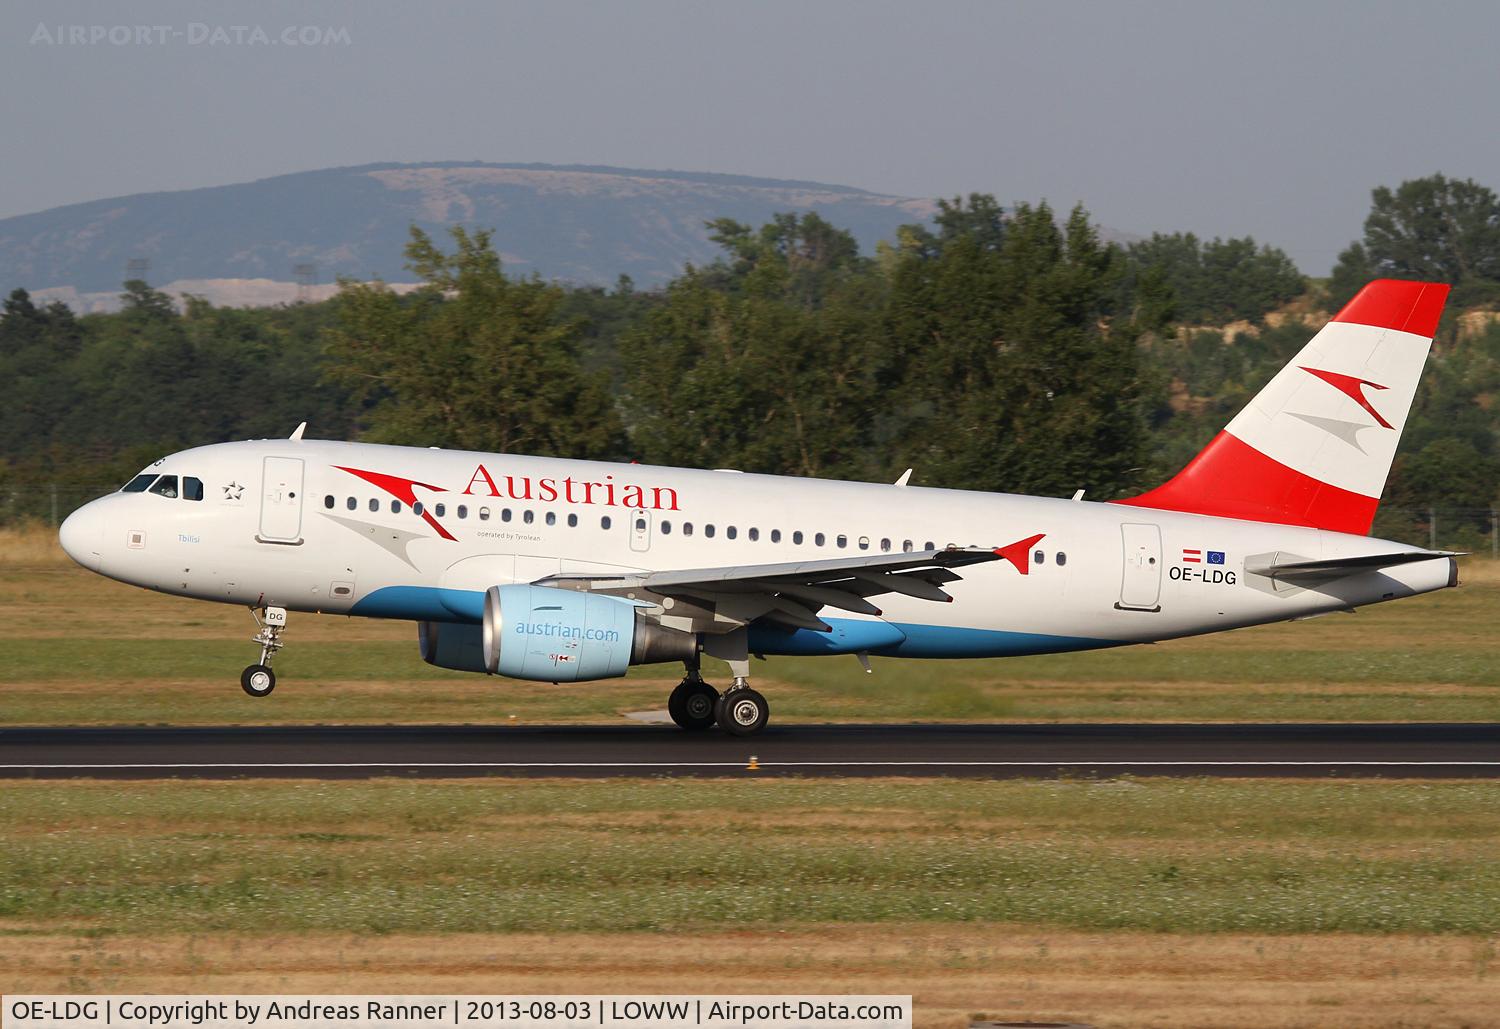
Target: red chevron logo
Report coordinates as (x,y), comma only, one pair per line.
(1353,388)
(403,490)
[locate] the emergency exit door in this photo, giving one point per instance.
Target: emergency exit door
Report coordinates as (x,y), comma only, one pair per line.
(1140,586)
(281,501)
(640,530)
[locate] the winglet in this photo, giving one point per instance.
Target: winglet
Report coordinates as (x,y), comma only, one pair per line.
(1019,552)
(298,431)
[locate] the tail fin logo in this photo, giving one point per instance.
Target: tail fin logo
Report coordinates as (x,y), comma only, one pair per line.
(1353,388)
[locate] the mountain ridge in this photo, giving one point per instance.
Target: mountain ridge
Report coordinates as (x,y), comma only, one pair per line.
(583,224)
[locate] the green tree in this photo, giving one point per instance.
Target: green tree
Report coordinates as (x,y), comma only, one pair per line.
(1013,371)
(472,359)
(1216,282)
(1433,228)
(766,364)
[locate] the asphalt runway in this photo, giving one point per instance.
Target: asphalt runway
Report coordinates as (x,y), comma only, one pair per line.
(958,751)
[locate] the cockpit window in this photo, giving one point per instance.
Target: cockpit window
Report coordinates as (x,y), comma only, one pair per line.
(192,488)
(139,483)
(166,486)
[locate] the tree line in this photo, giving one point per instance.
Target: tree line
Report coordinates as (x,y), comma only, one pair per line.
(1005,349)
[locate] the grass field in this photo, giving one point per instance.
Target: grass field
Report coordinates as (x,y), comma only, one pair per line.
(1307,903)
(77,648)
(1171,903)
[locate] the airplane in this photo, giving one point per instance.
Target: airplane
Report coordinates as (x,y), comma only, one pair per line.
(556,570)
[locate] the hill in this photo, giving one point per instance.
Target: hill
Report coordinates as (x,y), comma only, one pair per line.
(580,224)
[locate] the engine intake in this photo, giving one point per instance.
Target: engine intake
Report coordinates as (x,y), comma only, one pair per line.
(548,634)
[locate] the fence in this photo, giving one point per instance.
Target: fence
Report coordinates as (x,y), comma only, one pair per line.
(1470,529)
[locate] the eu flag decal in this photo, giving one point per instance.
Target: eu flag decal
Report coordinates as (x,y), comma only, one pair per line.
(1216,557)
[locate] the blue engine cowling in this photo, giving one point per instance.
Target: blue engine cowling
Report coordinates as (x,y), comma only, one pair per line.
(555,635)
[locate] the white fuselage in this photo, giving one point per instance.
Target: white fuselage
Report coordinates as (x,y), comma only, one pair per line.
(293,523)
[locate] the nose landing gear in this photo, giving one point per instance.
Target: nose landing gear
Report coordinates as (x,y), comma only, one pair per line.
(258,680)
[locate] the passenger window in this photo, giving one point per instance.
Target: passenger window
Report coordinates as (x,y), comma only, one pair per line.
(440,510)
(416,509)
(351,503)
(374,504)
(166,486)
(572,521)
(395,507)
(864,543)
(328,501)
(906,546)
(818,540)
(138,484)
(551,517)
(463,510)
(730,532)
(604,522)
(708,530)
(505,514)
(640,525)
(528,516)
(1062,559)
(754,534)
(192,489)
(484,514)
(843,541)
(666,528)
(687,528)
(929,545)
(797,537)
(775,535)
(1039,557)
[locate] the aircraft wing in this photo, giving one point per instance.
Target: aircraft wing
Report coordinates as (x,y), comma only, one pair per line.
(791,592)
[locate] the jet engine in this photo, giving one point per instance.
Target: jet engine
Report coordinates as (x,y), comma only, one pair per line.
(452,645)
(548,634)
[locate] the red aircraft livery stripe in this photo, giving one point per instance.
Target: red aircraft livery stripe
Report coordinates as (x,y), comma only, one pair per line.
(1231,479)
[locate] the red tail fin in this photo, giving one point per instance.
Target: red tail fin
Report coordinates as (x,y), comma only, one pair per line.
(1315,446)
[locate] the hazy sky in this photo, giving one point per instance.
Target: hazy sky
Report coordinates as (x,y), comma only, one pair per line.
(1274,119)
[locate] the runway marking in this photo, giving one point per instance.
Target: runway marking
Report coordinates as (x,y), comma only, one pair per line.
(767,764)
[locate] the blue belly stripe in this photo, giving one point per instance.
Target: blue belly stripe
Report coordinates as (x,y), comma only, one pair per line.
(849,635)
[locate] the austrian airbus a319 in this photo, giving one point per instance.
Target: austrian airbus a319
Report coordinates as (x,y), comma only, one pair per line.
(568,571)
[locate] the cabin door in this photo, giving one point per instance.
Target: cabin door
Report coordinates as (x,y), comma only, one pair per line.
(281,500)
(1140,585)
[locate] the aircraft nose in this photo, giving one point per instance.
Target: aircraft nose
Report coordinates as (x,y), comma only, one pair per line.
(82,535)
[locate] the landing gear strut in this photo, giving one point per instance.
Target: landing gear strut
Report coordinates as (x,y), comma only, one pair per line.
(258,680)
(740,711)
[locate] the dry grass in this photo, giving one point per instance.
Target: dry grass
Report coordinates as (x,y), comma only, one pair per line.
(32,545)
(954,972)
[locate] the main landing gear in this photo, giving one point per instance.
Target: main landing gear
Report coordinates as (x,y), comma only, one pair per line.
(258,680)
(739,710)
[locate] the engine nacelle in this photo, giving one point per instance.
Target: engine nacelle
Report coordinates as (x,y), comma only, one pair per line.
(452,645)
(553,635)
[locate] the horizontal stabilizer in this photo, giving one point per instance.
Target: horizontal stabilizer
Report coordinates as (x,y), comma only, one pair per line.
(1338,567)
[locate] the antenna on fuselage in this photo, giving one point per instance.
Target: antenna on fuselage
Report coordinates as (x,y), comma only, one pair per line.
(905,478)
(298,431)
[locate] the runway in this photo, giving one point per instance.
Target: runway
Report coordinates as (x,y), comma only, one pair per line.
(961,751)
